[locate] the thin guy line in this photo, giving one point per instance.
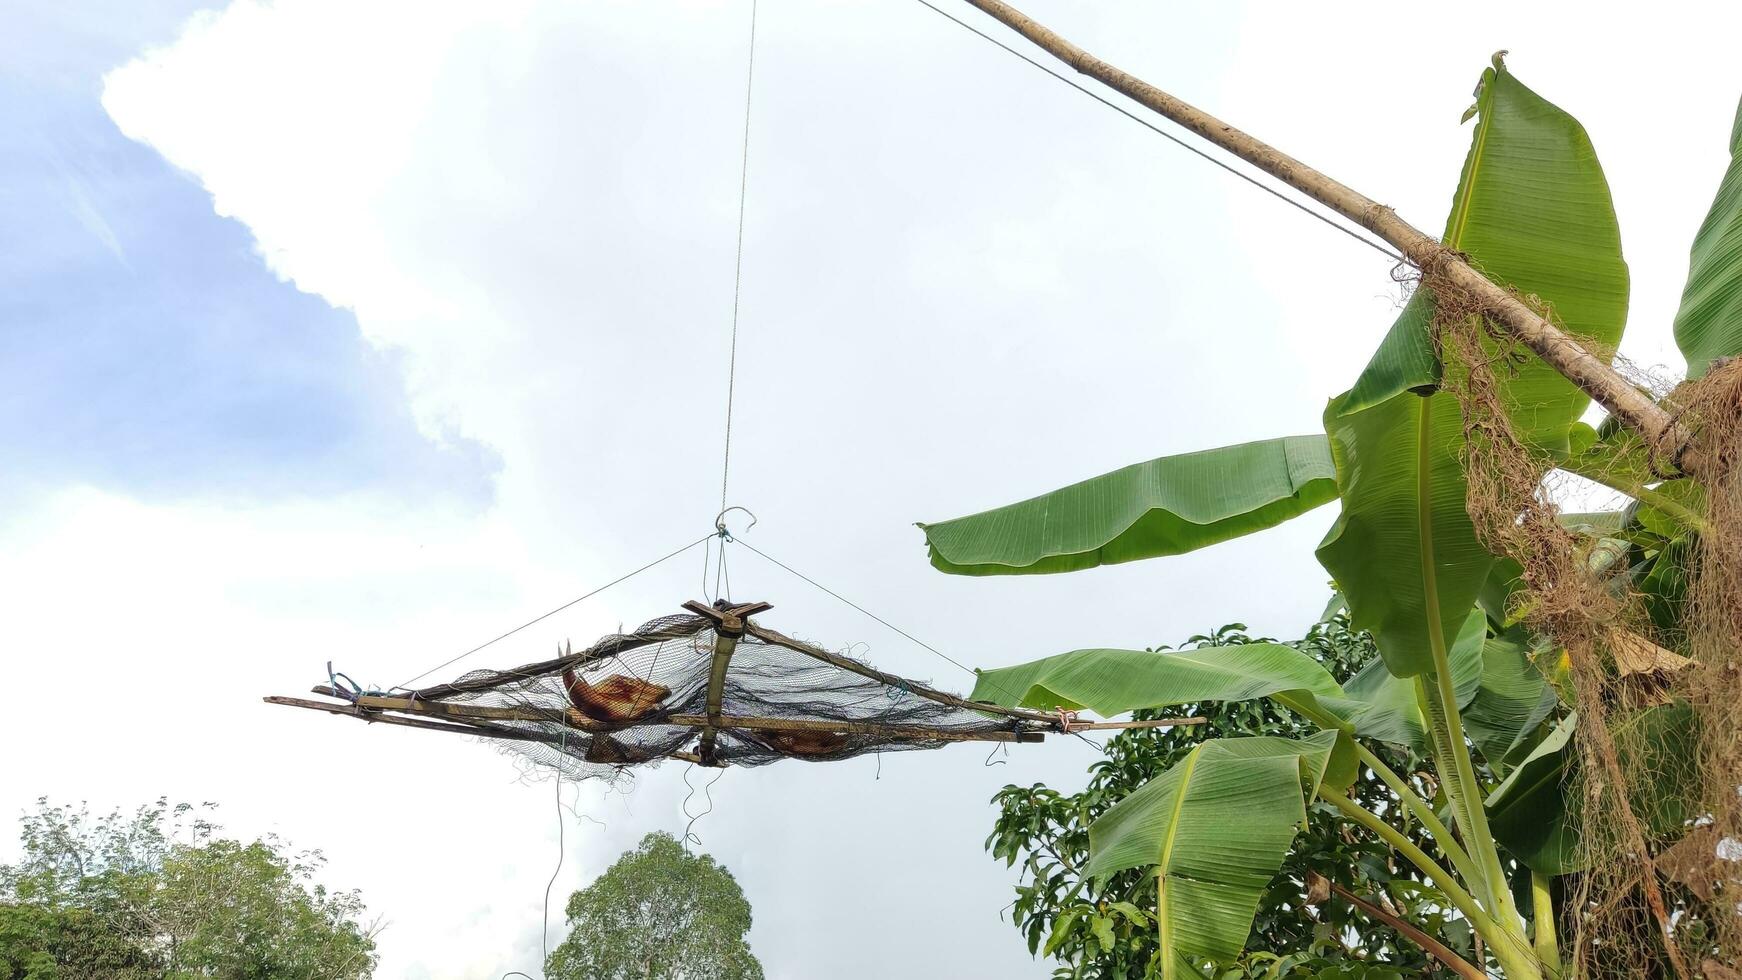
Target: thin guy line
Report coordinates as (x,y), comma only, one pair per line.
(959,665)
(738,266)
(1116,107)
(553,612)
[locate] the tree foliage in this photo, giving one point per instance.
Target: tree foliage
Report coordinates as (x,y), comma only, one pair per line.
(658,913)
(1099,929)
(159,894)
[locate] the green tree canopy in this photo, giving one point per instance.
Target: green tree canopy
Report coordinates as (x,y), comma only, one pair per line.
(659,913)
(159,894)
(1100,929)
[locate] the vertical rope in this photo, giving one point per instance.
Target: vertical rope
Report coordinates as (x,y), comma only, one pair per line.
(738,266)
(561,848)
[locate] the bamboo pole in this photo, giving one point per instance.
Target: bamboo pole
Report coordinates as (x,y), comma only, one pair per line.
(374,716)
(1664,436)
(474,720)
(476,730)
(1097,726)
(478,714)
(767,635)
(1438,950)
(855,728)
(602,650)
(474,715)
(442,709)
(724,646)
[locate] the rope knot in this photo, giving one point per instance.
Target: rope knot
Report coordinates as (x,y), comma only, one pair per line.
(350,690)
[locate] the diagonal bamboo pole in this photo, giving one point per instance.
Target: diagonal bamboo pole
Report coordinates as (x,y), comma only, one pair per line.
(1438,950)
(1662,433)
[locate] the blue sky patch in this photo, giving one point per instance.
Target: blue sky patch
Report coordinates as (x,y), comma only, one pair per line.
(144,346)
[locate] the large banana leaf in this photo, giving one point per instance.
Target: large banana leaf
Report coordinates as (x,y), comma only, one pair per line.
(1382,705)
(1709,323)
(1111,682)
(1533,210)
(1374,704)
(1534,811)
(1528,812)
(1166,506)
(1403,550)
(1511,703)
(1495,595)
(1664,583)
(1216,827)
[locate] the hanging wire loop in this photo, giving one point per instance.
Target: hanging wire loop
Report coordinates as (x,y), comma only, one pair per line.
(720,528)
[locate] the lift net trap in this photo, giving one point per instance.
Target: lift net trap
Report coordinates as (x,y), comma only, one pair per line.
(707,687)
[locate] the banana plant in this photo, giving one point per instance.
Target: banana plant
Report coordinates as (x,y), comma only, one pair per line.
(1458,674)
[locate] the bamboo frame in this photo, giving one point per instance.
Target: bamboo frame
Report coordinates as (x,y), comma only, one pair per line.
(930,694)
(729,625)
(1101,726)
(470,714)
(724,646)
(602,650)
(352,711)
(427,709)
(374,716)
(472,720)
(858,728)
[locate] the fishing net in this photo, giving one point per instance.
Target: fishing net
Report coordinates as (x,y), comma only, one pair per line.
(709,688)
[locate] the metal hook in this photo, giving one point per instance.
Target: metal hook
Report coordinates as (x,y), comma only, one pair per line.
(720,521)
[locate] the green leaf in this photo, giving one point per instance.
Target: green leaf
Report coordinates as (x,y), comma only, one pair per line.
(1403,550)
(1215,827)
(1533,212)
(1167,506)
(1102,927)
(1405,360)
(1384,706)
(1534,810)
(1135,915)
(1512,701)
(1504,579)
(1061,931)
(1112,682)
(1709,323)
(1664,585)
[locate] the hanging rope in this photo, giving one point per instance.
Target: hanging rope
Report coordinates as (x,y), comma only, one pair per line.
(1164,134)
(561,848)
(738,266)
(689,836)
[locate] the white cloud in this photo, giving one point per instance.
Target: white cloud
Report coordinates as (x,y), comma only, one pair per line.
(964,283)
(1351,96)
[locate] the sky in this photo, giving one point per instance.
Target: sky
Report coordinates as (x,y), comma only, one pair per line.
(364,331)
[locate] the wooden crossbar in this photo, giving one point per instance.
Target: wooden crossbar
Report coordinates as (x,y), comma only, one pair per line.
(930,694)
(729,624)
(603,650)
